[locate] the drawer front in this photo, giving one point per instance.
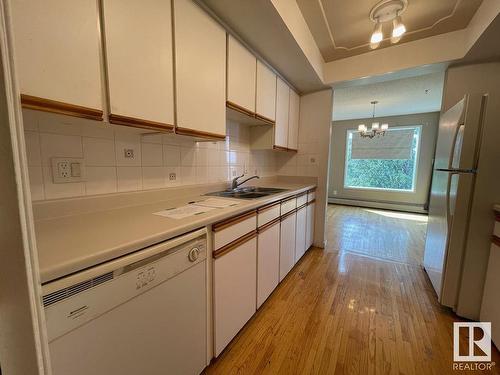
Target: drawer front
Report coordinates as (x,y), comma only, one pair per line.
(311,195)
(301,200)
(288,206)
(267,215)
(230,233)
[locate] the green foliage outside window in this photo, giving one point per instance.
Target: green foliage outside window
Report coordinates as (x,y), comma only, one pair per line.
(393,174)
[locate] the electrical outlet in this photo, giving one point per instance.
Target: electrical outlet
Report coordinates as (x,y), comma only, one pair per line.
(335,192)
(66,170)
(172,176)
(128,153)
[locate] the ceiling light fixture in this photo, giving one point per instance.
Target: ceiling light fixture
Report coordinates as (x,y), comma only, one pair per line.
(376,130)
(387,11)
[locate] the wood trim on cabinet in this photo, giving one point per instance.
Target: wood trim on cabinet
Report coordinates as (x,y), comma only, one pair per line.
(199,134)
(312,190)
(266,226)
(54,106)
(301,194)
(495,240)
(311,202)
(267,207)
(279,148)
(265,119)
(233,220)
(140,123)
(303,206)
(289,199)
(290,213)
(239,108)
(233,245)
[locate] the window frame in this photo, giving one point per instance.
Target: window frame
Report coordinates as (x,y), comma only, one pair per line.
(415,166)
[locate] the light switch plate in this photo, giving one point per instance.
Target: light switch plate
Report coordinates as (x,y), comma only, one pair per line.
(68,170)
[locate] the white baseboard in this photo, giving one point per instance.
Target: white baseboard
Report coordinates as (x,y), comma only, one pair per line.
(382,205)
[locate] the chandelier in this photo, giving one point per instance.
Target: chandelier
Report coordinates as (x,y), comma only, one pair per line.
(376,130)
(383,12)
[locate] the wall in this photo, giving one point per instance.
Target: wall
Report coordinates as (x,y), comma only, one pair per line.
(312,158)
(156,156)
(412,201)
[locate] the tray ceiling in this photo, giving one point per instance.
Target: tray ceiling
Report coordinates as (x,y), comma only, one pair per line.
(342,28)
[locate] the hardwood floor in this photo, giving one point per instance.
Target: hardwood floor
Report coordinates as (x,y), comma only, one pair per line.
(341,313)
(389,235)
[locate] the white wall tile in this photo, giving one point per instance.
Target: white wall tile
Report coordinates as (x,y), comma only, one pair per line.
(55,145)
(152,138)
(33,152)
(100,180)
(99,152)
(124,141)
(201,157)
(188,175)
(98,129)
(56,191)
(171,156)
(152,155)
(59,124)
(178,177)
(30,120)
(188,156)
(153,178)
(128,178)
(36,183)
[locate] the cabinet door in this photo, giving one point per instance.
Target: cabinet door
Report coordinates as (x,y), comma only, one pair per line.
(265,105)
(287,245)
(293,121)
(282,106)
(235,291)
(241,75)
(57,54)
(310,225)
(200,72)
(300,233)
(140,62)
(268,262)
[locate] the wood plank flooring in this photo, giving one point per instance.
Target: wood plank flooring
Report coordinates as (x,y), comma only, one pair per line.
(341,313)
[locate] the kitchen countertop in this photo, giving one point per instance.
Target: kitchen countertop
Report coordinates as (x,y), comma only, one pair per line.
(69,244)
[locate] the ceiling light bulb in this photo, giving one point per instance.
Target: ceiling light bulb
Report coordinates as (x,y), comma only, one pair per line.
(384,127)
(375,126)
(377,36)
(398,29)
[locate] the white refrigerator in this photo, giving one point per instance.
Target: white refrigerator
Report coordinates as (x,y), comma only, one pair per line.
(457,242)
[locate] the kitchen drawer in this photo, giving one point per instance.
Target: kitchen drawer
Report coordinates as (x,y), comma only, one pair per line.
(288,205)
(268,213)
(311,195)
(233,228)
(301,199)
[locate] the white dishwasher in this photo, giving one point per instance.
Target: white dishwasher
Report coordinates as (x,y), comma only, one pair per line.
(143,313)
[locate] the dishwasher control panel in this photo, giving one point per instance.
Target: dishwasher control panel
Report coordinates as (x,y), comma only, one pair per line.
(127,282)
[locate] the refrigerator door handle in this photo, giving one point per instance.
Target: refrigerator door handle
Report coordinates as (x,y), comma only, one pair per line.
(456,170)
(448,211)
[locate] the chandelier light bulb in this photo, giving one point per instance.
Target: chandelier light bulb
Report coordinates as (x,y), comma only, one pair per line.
(384,127)
(377,36)
(375,126)
(398,29)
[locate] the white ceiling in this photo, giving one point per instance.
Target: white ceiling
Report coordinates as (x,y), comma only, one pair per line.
(396,97)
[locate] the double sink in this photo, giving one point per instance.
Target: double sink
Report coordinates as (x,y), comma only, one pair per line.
(248,192)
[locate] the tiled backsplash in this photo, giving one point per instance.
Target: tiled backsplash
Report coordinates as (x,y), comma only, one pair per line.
(156,157)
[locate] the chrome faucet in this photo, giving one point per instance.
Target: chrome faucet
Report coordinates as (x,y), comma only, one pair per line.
(235,183)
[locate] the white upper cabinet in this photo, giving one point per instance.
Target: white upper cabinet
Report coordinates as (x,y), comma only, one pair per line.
(138,37)
(57,53)
(200,70)
(293,121)
(282,112)
(241,76)
(266,93)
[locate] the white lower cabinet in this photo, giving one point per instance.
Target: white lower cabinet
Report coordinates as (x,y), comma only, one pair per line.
(268,260)
(310,224)
(287,244)
(300,233)
(235,284)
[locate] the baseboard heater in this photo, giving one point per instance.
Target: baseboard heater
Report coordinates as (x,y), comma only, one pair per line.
(405,207)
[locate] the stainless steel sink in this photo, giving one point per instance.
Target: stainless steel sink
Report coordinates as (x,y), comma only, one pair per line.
(247,192)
